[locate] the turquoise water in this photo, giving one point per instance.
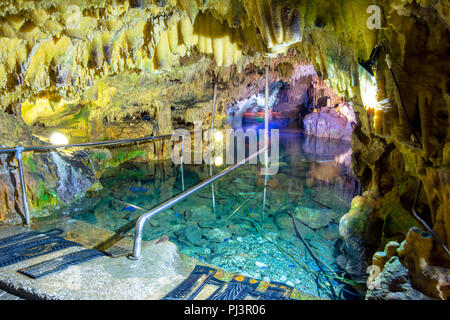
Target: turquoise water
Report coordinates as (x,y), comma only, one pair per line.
(314,187)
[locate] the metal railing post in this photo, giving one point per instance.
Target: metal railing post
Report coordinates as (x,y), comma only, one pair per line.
(182,159)
(213,196)
(266,118)
(266,138)
(18,152)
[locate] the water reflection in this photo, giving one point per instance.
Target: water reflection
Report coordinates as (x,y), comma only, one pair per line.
(331,168)
(329,160)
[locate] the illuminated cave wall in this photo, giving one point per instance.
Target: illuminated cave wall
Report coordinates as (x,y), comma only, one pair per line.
(58,55)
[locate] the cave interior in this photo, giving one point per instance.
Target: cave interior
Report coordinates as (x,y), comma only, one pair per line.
(357,93)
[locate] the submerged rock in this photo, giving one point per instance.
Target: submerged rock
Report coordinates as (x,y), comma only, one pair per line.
(193,234)
(237,230)
(217,235)
(315,218)
(329,233)
(201,214)
(260,264)
(196,251)
(284,222)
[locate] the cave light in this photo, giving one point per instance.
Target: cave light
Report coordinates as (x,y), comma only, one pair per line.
(369,88)
(218,136)
(369,95)
(218,161)
(58,138)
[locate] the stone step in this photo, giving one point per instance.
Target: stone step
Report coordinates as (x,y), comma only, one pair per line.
(88,235)
(7,296)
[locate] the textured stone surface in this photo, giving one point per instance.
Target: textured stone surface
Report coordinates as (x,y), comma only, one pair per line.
(400,269)
(428,266)
(393,284)
(327,125)
(356,228)
(315,218)
(217,235)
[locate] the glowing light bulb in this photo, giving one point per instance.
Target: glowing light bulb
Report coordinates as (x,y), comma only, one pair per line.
(218,136)
(218,161)
(58,138)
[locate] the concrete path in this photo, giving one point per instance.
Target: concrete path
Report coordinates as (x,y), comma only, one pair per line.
(160,270)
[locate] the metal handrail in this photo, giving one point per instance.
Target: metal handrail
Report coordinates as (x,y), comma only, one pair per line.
(20,149)
(89,144)
(137,247)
